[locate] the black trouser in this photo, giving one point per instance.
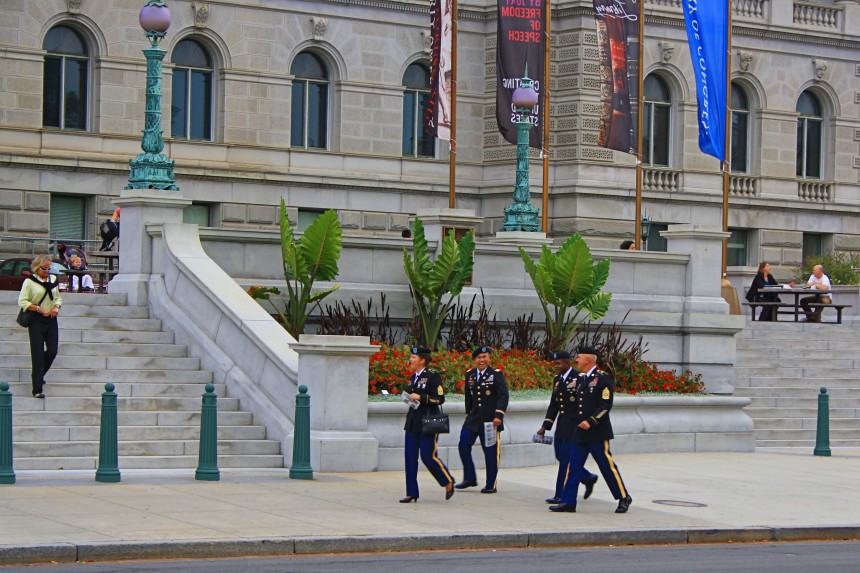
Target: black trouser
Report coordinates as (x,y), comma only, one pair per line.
(44,343)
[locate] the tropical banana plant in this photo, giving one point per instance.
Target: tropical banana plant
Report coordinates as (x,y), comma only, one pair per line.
(430,281)
(568,285)
(313,257)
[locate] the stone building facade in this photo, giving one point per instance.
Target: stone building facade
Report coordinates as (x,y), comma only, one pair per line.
(311,101)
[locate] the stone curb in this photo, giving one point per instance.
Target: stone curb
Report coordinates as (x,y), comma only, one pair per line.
(272,547)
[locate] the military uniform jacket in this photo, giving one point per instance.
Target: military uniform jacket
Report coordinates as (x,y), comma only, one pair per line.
(594,394)
(429,385)
(486,398)
(562,404)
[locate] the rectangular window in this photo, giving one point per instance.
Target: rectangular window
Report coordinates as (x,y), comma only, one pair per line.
(297,115)
(737,248)
(306,217)
(813,149)
(739,142)
(201,105)
(655,242)
(661,136)
(813,245)
(317,113)
(68,218)
(408,122)
(178,103)
(75,94)
(197,214)
(427,141)
(53,84)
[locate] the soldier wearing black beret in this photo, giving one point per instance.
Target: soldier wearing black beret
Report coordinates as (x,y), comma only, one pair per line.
(425,389)
(595,390)
(562,405)
(486,393)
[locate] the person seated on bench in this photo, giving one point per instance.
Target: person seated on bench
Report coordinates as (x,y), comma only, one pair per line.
(762,279)
(819,281)
(84,281)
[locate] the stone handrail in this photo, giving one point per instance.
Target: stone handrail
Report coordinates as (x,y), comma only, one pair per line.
(228,330)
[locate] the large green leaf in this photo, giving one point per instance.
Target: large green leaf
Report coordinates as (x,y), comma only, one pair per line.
(420,249)
(293,267)
(321,245)
(601,274)
(466,262)
(445,266)
(321,294)
(597,306)
(417,279)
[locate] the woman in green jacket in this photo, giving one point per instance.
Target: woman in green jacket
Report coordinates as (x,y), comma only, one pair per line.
(40,296)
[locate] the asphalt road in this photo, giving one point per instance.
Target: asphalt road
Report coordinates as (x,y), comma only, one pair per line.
(739,558)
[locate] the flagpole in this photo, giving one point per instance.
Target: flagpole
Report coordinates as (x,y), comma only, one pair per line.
(546,66)
(640,120)
(726,163)
(452,158)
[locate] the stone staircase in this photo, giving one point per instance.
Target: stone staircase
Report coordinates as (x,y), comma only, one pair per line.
(159,391)
(782,366)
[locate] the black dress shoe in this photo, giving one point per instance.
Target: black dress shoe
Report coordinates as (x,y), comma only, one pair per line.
(624,504)
(38,395)
(488,490)
(553,500)
(589,487)
(449,491)
(563,507)
(464,484)
(408,499)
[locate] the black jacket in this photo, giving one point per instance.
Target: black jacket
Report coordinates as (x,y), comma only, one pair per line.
(594,395)
(486,398)
(758,282)
(429,386)
(562,404)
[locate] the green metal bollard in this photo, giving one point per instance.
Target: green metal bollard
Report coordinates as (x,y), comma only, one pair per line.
(301,468)
(207,460)
(108,470)
(7,474)
(822,431)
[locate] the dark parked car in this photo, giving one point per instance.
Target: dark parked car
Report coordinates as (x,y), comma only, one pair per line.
(13,273)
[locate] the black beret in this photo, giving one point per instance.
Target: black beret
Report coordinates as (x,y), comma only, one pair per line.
(561,355)
(587,350)
(481,350)
(421,351)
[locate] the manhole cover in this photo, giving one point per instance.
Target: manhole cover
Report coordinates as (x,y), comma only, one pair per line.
(679,503)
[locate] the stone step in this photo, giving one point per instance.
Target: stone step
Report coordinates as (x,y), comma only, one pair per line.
(805,444)
(11,298)
(780,349)
(147,462)
(109,363)
(792,403)
(66,375)
(133,389)
(781,366)
(112,336)
(86,350)
(124,404)
(795,392)
(804,434)
(92,323)
(795,382)
(128,433)
(72,312)
(770,412)
(797,332)
(145,448)
(124,418)
(846,424)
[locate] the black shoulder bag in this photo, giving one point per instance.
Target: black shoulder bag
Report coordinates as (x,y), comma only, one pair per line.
(25,317)
(435,423)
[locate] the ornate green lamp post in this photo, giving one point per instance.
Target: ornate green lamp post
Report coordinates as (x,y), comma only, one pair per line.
(152,169)
(521,215)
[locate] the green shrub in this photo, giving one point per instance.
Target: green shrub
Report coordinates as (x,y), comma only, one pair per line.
(838,266)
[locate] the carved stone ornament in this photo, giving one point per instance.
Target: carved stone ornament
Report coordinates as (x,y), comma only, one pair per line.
(820,68)
(427,41)
(667,50)
(74,6)
(319,25)
(744,60)
(201,14)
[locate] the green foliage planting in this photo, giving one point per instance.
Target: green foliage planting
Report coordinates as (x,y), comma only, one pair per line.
(838,266)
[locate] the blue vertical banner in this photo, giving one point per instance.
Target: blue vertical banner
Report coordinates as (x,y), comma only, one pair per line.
(708,35)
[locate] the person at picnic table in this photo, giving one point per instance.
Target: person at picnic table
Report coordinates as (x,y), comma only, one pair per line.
(82,283)
(763,278)
(818,281)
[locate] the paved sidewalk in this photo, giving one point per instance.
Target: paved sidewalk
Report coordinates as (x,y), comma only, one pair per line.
(677,498)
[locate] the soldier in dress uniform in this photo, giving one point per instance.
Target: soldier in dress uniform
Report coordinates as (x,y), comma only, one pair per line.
(562,405)
(486,401)
(594,392)
(425,389)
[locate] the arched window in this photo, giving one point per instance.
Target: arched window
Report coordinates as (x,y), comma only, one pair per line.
(740,131)
(309,115)
(810,128)
(655,122)
(191,102)
(418,140)
(64,97)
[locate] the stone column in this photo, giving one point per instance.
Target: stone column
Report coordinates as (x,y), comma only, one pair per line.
(139,208)
(705,318)
(335,370)
(437,221)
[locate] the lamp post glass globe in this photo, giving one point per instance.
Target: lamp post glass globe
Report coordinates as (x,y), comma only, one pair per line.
(525,95)
(155,17)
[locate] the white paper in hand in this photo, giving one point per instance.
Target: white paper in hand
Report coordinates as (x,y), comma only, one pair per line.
(489,434)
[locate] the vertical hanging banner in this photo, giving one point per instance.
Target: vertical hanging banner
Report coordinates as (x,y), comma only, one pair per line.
(617,23)
(708,35)
(521,47)
(438,113)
